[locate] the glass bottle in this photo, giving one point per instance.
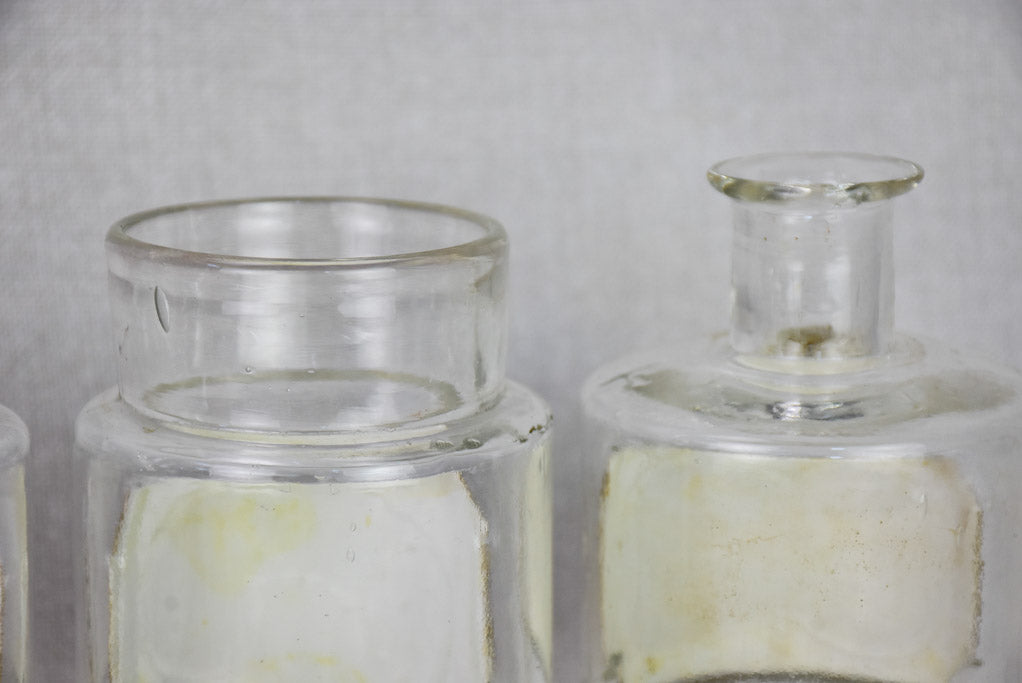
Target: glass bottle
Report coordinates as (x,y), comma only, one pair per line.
(812,497)
(13,553)
(312,468)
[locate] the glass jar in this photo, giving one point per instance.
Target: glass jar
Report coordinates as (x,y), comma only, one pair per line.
(13,553)
(812,497)
(312,468)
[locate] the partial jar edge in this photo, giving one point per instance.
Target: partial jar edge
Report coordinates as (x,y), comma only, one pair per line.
(836,178)
(14,437)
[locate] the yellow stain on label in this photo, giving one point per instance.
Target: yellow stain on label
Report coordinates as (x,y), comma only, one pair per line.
(294,665)
(227,538)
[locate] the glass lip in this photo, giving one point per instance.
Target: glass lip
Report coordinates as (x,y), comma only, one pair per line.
(783,177)
(491,242)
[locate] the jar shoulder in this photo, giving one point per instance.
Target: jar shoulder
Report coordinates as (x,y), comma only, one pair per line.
(107,427)
(921,393)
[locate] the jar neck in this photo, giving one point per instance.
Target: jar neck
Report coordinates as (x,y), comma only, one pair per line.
(812,272)
(308,315)
(814,282)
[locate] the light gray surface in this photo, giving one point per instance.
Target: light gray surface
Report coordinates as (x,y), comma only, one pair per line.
(585,127)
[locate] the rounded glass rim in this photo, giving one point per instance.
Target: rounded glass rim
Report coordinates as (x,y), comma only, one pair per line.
(835,177)
(491,241)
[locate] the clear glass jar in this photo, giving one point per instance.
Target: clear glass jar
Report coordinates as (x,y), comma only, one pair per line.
(312,468)
(13,553)
(813,497)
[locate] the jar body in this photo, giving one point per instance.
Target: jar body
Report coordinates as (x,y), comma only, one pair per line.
(13,549)
(726,542)
(312,467)
(423,558)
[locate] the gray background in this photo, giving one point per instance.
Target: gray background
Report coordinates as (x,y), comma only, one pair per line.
(585,127)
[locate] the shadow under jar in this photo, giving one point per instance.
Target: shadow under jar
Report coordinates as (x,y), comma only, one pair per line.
(813,497)
(312,468)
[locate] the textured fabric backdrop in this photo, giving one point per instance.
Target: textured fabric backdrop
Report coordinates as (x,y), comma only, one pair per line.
(585,127)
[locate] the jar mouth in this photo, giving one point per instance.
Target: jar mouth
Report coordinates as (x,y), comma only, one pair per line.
(837,178)
(306,233)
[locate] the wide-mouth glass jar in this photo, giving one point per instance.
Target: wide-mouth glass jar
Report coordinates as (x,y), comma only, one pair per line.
(812,497)
(14,443)
(313,467)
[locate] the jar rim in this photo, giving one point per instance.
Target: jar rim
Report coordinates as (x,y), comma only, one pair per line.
(491,240)
(838,178)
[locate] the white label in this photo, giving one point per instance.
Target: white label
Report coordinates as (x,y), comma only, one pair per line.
(716,564)
(226,582)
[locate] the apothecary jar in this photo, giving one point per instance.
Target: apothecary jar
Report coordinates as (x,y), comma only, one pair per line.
(812,497)
(13,549)
(312,467)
